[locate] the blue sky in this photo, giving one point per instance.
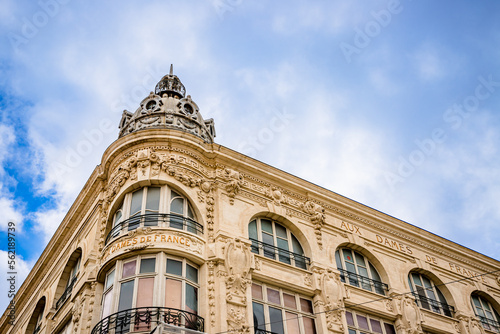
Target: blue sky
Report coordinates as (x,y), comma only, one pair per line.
(392,103)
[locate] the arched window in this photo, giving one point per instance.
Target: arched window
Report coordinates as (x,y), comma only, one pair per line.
(358,271)
(151,286)
(68,279)
(279,311)
(486,313)
(427,294)
(276,242)
(35,323)
(153,206)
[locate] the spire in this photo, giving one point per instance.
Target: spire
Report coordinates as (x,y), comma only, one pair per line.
(171,85)
(168,108)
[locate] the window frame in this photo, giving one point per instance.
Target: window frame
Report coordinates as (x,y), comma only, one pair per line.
(442,307)
(165,198)
(267,304)
(159,284)
(486,322)
(356,329)
(274,249)
(375,284)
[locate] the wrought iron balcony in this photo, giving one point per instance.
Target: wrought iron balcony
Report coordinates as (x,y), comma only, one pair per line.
(37,329)
(434,305)
(145,319)
(363,282)
(66,293)
(282,255)
(155,219)
(489,324)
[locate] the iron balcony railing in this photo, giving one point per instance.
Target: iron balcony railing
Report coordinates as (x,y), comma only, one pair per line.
(37,329)
(155,219)
(146,319)
(489,324)
(363,282)
(66,293)
(434,305)
(282,255)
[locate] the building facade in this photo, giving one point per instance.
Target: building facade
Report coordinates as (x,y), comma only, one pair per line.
(174,233)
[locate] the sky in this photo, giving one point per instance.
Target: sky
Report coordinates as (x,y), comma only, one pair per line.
(394,104)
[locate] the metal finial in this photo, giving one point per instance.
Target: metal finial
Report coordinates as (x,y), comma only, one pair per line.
(171,69)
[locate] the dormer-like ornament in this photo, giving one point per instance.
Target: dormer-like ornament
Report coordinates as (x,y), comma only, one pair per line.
(168,108)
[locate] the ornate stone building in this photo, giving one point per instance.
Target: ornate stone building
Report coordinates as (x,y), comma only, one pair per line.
(174,229)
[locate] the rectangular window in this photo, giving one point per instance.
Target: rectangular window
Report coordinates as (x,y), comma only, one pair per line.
(191,299)
(106,303)
(363,323)
(145,290)
(174,267)
(128,269)
(173,294)
(258,316)
(292,323)
(147,266)
(276,320)
(257,292)
(126,296)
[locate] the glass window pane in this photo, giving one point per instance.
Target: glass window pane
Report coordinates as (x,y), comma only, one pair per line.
(351,331)
(276,320)
(191,299)
(289,301)
(376,327)
(110,279)
(136,205)
(173,293)
(192,273)
(177,206)
(427,283)
(106,303)
(257,292)
(374,273)
(267,239)
(476,301)
(258,316)
(126,296)
(297,248)
(362,322)
(309,327)
(118,217)
(389,329)
(147,266)
(174,194)
(283,244)
(145,292)
(153,199)
(416,279)
(273,296)
(252,230)
(306,305)
(128,269)
(174,267)
(292,323)
(190,212)
(347,255)
(280,231)
(267,226)
(349,318)
(360,260)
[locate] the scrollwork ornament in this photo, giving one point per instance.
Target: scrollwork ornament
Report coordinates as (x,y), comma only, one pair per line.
(317,217)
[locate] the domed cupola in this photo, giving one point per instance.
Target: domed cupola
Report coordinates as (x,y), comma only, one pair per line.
(168,108)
